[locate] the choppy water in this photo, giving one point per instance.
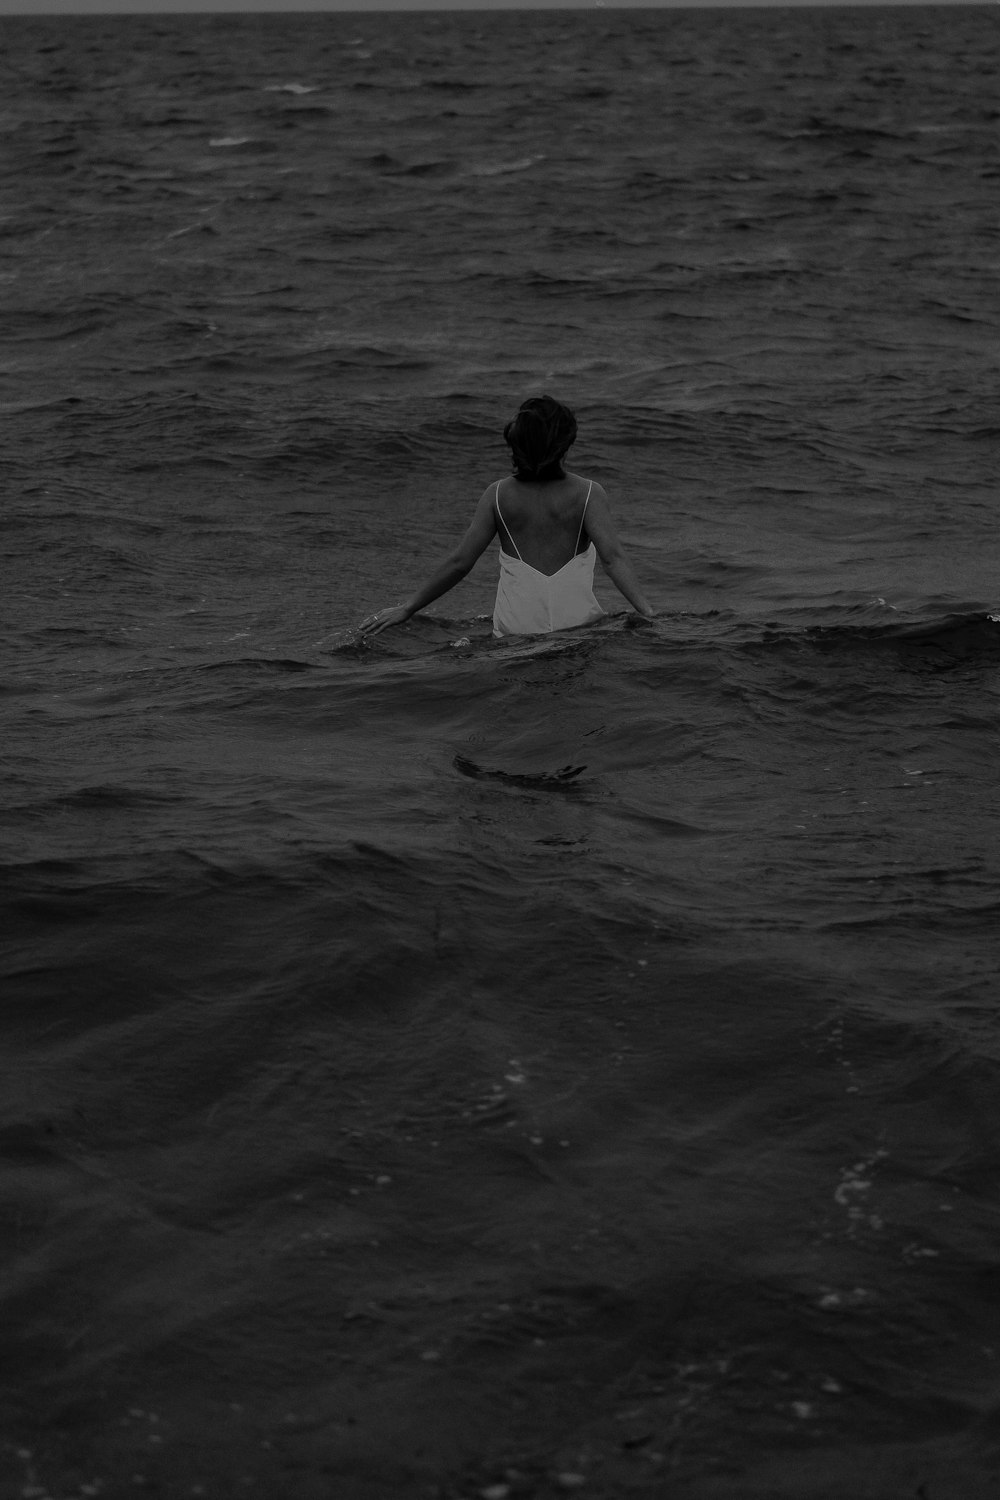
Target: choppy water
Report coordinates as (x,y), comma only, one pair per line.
(442,1063)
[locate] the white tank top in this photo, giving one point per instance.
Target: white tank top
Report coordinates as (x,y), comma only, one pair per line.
(533,603)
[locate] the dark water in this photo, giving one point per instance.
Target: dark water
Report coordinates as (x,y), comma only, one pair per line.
(455,1068)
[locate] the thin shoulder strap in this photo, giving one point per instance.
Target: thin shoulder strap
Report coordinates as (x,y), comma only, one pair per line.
(496,502)
(583,517)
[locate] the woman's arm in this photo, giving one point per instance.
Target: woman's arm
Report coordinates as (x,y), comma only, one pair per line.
(451,571)
(599,527)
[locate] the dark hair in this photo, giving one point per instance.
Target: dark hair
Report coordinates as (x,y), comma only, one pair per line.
(539,438)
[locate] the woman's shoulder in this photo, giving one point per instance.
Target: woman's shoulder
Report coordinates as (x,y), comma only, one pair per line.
(588,489)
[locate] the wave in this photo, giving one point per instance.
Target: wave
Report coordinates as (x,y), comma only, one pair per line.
(504,168)
(941,645)
(562,780)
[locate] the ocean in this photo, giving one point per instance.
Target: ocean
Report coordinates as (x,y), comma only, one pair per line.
(466,1069)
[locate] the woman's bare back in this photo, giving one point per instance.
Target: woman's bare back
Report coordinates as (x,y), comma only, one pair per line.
(540,522)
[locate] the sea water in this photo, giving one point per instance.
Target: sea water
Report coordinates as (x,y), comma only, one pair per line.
(435,1065)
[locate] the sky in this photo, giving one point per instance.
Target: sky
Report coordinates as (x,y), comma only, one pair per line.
(85,7)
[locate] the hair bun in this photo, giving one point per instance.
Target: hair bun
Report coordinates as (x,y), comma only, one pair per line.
(539,435)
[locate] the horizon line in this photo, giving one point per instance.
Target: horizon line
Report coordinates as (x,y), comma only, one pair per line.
(98,8)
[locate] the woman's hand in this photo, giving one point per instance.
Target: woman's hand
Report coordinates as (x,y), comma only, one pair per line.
(375,624)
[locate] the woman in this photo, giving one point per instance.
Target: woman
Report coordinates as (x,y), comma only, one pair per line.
(550,523)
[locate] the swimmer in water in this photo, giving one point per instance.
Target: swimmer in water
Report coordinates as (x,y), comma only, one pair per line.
(552,526)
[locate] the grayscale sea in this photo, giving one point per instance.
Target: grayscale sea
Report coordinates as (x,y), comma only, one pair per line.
(452,1069)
